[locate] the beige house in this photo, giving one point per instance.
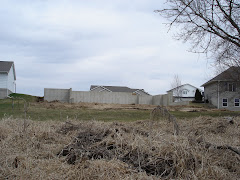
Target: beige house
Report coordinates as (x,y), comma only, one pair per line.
(223,91)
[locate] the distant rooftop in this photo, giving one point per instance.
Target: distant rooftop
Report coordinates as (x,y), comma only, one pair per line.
(117,88)
(184,85)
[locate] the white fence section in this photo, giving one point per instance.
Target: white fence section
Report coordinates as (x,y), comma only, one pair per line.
(56,94)
(67,95)
(103,97)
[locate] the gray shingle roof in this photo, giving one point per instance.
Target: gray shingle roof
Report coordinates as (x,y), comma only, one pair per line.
(5,67)
(117,88)
(231,74)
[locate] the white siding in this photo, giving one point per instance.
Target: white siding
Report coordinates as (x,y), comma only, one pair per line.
(190,91)
(7,80)
(11,81)
(3,80)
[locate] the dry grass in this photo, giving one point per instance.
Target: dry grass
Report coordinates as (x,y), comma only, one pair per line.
(114,150)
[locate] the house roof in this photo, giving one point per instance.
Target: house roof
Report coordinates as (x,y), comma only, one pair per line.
(231,74)
(184,85)
(117,88)
(5,67)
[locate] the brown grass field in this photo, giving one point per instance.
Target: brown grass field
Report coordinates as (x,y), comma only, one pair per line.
(206,148)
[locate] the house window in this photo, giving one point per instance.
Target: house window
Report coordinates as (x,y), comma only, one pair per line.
(232,87)
(225,102)
(236,102)
(184,92)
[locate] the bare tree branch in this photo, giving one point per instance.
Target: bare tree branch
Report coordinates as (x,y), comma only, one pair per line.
(212,26)
(176,85)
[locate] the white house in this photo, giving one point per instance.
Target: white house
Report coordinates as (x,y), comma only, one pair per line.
(7,78)
(185,92)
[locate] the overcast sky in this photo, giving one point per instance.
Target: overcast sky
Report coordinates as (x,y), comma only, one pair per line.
(78,43)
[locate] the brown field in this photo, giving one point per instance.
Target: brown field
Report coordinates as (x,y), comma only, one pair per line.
(207,148)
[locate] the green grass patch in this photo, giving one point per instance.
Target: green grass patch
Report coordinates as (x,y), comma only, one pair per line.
(88,114)
(44,112)
(38,111)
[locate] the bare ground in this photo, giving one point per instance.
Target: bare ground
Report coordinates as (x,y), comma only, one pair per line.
(96,106)
(113,150)
(103,106)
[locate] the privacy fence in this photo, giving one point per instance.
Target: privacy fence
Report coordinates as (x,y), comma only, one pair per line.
(67,95)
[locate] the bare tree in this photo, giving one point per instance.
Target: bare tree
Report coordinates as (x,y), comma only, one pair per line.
(176,86)
(212,26)
(219,68)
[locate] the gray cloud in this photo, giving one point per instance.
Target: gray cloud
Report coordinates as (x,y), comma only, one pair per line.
(72,43)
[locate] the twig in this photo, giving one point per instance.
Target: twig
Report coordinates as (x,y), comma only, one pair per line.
(207,145)
(229,147)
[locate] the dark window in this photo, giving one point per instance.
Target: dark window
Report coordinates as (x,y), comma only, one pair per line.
(236,102)
(225,102)
(232,87)
(226,86)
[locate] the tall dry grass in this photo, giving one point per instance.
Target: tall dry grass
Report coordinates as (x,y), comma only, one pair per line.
(36,154)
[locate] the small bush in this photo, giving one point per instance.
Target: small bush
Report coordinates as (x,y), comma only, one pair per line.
(198,95)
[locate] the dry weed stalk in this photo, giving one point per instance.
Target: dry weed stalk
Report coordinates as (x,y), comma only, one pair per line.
(26,108)
(162,112)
